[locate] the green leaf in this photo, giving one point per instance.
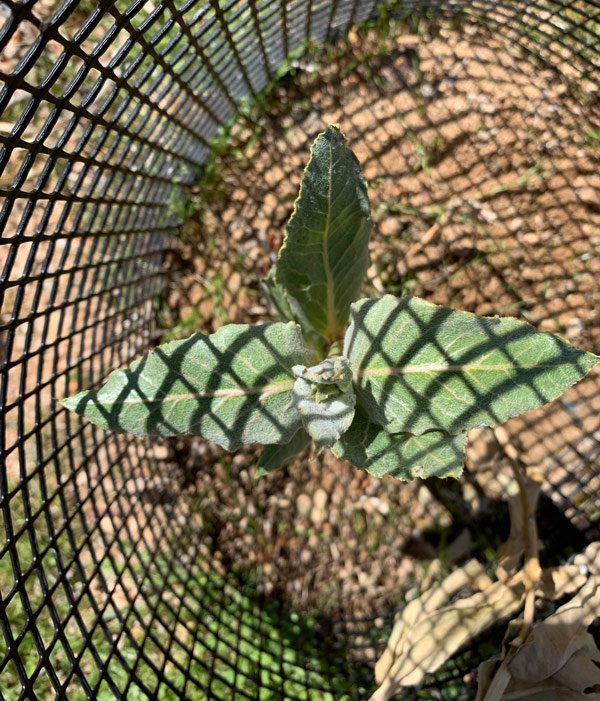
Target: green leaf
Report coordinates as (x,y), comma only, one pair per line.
(325,255)
(233,387)
(334,370)
(400,455)
(418,366)
(275,456)
(325,398)
(277,297)
(326,416)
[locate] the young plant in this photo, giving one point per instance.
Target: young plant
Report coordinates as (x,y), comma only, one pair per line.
(390,384)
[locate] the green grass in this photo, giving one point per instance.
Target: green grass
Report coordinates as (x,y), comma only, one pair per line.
(234,639)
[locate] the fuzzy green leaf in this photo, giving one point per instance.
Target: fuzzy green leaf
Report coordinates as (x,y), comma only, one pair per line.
(418,366)
(325,256)
(400,455)
(276,296)
(334,370)
(324,416)
(274,457)
(325,398)
(233,387)
(282,308)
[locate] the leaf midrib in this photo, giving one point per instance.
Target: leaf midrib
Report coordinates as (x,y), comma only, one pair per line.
(230,393)
(381,372)
(331,315)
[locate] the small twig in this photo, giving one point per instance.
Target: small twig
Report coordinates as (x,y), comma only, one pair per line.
(432,233)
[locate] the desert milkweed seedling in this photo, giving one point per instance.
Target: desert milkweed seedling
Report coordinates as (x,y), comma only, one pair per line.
(390,384)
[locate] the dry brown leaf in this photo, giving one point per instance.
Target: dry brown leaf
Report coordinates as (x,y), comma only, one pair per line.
(552,642)
(471,573)
(434,635)
(571,680)
(495,682)
(557,582)
(486,672)
(495,668)
(589,559)
(581,672)
(559,659)
(512,550)
(435,638)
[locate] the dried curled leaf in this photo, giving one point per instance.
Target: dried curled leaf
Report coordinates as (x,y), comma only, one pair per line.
(557,582)
(428,633)
(589,560)
(553,642)
(471,573)
(512,550)
(559,660)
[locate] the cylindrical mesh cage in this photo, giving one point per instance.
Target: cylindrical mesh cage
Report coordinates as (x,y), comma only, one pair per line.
(151,155)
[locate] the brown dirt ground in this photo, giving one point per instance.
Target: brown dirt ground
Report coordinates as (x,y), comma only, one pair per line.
(482,166)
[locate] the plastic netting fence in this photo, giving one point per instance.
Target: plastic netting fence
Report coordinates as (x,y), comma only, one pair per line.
(110,583)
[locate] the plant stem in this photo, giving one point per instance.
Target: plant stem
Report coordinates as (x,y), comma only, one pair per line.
(531,570)
(336,348)
(531,566)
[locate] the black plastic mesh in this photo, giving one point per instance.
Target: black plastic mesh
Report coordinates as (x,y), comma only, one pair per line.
(108,587)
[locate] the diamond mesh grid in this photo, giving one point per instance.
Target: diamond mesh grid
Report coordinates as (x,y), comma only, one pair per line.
(108,587)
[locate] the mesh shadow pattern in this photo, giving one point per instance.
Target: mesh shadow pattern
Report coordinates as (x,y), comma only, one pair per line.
(125,566)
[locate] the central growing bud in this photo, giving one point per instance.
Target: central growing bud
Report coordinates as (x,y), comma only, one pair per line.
(325,398)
